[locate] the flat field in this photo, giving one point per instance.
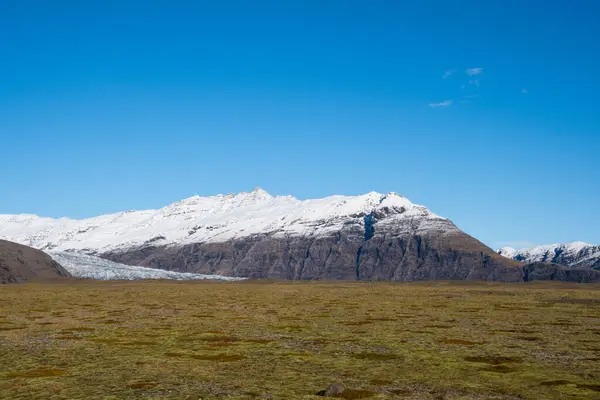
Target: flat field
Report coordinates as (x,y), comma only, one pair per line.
(285,340)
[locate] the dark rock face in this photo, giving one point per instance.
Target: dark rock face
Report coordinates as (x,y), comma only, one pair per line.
(345,255)
(21,264)
(547,271)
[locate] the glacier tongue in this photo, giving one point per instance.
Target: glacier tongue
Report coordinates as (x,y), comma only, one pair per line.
(84,266)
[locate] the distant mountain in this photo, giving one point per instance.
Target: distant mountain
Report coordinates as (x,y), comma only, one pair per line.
(573,255)
(253,234)
(20,263)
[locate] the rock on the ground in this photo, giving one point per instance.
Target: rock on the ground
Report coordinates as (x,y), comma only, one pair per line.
(332,390)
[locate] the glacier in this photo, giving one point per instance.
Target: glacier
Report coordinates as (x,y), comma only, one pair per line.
(85,266)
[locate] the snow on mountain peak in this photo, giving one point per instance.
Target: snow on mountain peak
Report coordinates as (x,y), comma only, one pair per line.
(212,219)
(577,246)
(394,199)
(260,192)
(573,254)
(539,251)
(508,252)
(393,194)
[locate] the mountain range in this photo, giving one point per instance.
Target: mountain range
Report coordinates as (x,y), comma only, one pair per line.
(255,235)
(573,255)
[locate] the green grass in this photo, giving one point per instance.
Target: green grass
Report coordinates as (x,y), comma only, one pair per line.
(247,340)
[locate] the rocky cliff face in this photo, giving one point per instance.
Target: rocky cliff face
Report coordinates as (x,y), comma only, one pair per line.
(345,256)
(540,271)
(21,264)
(341,256)
(574,255)
(369,237)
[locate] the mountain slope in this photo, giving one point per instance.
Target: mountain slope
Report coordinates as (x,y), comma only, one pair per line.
(573,255)
(19,264)
(369,237)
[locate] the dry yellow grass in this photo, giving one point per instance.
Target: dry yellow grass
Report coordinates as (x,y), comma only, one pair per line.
(191,340)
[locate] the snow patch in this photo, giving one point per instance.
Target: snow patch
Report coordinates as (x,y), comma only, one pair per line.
(508,252)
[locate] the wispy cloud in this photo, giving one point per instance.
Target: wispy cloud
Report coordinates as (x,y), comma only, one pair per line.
(524,91)
(470,96)
(474,71)
(474,82)
(517,244)
(448,73)
(443,104)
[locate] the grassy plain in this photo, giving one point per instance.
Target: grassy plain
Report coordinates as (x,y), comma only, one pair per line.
(284,340)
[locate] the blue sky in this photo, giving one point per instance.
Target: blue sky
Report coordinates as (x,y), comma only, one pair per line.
(486,112)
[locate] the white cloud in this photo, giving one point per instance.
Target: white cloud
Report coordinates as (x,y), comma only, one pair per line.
(524,91)
(474,71)
(448,73)
(443,104)
(474,82)
(471,96)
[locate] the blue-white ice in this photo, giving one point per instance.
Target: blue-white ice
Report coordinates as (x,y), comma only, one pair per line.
(85,266)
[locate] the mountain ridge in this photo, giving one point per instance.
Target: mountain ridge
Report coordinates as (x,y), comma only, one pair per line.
(370,237)
(205,219)
(572,254)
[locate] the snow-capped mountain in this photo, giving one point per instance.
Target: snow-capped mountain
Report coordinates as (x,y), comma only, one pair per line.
(255,235)
(508,252)
(210,219)
(84,266)
(574,255)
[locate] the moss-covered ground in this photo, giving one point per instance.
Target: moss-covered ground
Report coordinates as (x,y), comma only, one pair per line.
(284,340)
